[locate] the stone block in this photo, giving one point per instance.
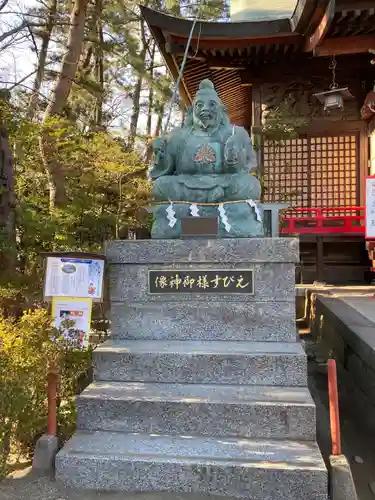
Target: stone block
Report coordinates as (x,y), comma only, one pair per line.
(203,251)
(197,409)
(44,454)
(227,467)
(341,479)
(199,393)
(259,321)
(212,362)
(272,282)
(242,217)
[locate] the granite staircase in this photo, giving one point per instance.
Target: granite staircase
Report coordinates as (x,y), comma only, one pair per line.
(203,394)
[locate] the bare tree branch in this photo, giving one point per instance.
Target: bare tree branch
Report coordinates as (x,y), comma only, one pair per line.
(16,84)
(3,4)
(13,31)
(14,39)
(46,38)
(33,40)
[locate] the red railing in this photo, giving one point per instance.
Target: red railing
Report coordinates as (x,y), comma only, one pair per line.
(336,220)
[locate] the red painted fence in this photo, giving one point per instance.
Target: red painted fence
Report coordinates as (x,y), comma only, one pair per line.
(337,220)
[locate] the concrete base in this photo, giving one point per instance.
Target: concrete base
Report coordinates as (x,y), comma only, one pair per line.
(197,392)
(341,480)
(45,452)
(344,332)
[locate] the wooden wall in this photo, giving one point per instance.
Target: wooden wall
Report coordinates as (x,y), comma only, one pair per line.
(326,164)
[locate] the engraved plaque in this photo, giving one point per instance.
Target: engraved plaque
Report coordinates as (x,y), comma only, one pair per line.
(212,281)
(199,227)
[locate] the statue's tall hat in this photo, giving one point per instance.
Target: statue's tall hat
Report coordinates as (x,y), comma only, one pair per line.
(206,87)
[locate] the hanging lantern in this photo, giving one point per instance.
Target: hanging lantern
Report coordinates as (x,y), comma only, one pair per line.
(334,97)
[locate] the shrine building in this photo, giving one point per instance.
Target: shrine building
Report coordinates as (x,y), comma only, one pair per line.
(314,59)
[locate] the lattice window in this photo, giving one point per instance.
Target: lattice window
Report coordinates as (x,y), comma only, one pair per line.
(312,172)
(286,171)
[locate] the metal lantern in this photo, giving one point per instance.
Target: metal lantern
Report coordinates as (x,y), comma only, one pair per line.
(334,97)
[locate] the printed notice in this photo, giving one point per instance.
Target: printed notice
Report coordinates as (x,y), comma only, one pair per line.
(77,311)
(70,277)
(370,208)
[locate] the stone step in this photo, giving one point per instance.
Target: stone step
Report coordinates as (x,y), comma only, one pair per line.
(238,468)
(260,321)
(206,362)
(196,409)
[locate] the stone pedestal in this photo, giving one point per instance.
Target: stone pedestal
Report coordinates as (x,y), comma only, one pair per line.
(202,387)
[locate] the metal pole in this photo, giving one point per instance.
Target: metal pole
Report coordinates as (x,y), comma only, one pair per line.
(52,402)
(177,86)
(334,408)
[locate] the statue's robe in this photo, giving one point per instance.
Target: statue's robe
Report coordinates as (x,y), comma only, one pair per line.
(206,168)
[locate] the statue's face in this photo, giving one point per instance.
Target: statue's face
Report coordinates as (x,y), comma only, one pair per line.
(206,112)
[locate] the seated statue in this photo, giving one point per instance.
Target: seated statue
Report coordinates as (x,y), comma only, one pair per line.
(203,168)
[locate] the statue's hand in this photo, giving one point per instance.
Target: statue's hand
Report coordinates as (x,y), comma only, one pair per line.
(160,164)
(232,152)
(159,146)
(231,157)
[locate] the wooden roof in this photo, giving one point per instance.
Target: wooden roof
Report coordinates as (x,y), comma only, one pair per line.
(236,54)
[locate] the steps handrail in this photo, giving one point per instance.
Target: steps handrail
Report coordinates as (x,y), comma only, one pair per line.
(334,408)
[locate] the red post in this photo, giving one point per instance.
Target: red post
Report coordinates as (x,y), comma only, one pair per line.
(52,402)
(334,408)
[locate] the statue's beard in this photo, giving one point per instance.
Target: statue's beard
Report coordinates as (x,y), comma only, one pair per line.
(206,124)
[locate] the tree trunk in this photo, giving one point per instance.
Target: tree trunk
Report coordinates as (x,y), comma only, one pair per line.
(159,123)
(137,91)
(151,93)
(7,202)
(8,241)
(70,60)
(136,107)
(150,106)
(99,66)
(54,170)
(46,37)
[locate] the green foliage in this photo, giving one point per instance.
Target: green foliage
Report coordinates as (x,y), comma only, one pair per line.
(104,181)
(104,191)
(281,124)
(26,351)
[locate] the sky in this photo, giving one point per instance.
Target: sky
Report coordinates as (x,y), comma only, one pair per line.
(15,64)
(19,61)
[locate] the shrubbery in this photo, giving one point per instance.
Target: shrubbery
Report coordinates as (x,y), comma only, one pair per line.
(105,185)
(26,351)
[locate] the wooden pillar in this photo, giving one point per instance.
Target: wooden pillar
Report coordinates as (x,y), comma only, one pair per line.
(256,122)
(319,259)
(363,161)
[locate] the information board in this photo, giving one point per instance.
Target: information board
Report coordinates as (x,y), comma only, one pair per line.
(213,281)
(370,208)
(74,277)
(77,311)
